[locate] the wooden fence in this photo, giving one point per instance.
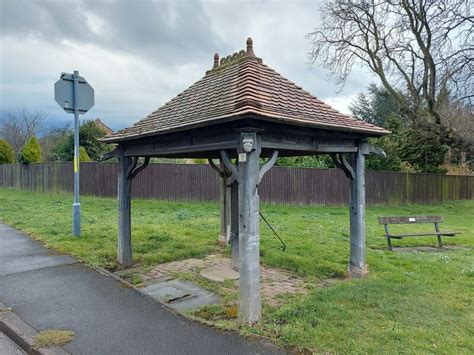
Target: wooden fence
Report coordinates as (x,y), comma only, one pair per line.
(296,186)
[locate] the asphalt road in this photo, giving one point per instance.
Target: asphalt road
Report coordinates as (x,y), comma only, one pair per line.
(52,291)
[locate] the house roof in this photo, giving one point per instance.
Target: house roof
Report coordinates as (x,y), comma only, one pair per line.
(103,127)
(237,86)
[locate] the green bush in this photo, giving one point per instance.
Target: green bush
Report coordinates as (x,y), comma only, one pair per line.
(7,155)
(89,135)
(31,151)
(309,161)
(83,156)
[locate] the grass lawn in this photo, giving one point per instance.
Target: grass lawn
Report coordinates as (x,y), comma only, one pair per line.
(409,303)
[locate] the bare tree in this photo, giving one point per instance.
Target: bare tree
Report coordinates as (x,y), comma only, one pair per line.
(458,119)
(17,126)
(53,134)
(415,47)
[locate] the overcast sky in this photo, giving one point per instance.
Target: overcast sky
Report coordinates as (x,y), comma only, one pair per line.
(139,54)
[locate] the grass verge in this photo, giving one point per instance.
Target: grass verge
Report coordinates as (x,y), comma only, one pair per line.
(411,302)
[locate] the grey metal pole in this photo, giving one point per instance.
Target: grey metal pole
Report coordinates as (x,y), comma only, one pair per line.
(76,206)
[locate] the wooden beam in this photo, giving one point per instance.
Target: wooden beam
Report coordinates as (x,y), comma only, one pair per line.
(156,150)
(370,149)
(108,155)
(308,149)
(124,247)
(205,142)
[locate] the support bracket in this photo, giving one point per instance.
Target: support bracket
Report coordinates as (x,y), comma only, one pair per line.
(221,173)
(268,165)
(341,162)
(215,167)
(134,169)
(109,155)
(229,165)
(370,149)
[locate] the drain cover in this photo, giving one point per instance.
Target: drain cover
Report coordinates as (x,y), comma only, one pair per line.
(166,293)
(180,295)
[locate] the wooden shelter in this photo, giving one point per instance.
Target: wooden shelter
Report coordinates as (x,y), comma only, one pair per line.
(243,110)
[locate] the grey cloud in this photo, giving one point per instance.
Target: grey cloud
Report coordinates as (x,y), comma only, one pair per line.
(173,42)
(51,20)
(165,32)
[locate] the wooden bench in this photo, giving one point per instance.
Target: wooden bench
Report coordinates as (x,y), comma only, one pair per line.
(386,221)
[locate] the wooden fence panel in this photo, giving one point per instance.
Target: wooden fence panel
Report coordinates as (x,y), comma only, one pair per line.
(291,186)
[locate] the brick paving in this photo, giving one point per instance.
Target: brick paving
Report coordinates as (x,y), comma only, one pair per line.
(273,282)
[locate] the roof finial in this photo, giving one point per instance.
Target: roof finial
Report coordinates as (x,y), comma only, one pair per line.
(249,52)
(216,61)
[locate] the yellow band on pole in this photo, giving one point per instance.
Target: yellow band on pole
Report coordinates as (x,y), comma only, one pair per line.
(76,164)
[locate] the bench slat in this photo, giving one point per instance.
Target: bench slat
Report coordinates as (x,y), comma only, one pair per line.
(447,234)
(410,219)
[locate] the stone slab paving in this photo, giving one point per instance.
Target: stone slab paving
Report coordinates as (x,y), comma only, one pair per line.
(9,347)
(273,282)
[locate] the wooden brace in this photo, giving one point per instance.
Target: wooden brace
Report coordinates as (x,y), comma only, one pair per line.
(268,165)
(218,169)
(341,162)
(134,170)
(263,169)
(228,164)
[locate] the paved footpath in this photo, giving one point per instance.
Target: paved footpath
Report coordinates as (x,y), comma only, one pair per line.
(53,291)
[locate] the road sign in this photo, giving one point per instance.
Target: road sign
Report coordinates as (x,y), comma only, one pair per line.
(64,93)
(74,94)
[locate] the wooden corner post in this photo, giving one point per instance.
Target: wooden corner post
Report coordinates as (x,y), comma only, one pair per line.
(357,265)
(227,201)
(124,247)
(224,201)
(234,224)
(248,175)
(223,240)
(249,248)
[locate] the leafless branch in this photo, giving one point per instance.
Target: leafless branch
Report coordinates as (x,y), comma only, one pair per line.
(417,47)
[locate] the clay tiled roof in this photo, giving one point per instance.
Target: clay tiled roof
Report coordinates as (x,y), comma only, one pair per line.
(237,85)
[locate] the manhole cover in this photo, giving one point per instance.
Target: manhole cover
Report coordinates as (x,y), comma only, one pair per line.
(220,273)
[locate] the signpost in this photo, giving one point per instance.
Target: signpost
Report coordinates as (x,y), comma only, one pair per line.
(74,94)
